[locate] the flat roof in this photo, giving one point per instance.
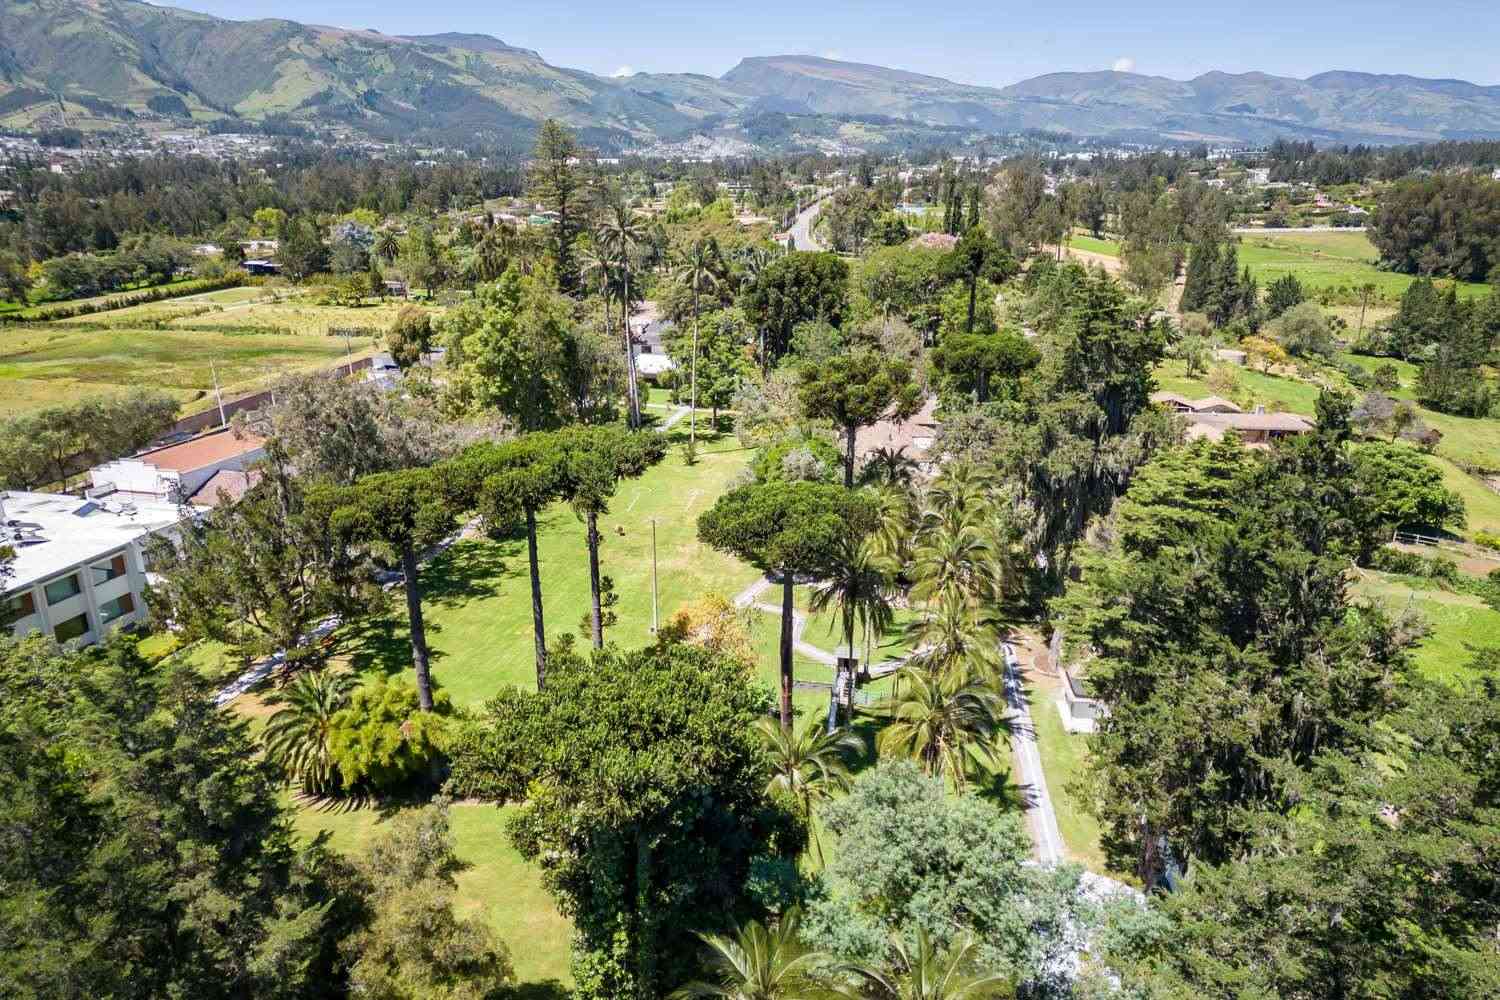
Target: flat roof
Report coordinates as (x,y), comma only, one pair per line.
(73,530)
(202,451)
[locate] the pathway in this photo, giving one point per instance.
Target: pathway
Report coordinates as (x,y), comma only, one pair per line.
(802,237)
(1041,818)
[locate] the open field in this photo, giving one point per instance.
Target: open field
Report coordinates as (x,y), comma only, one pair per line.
(172,345)
(1459,622)
(1322,260)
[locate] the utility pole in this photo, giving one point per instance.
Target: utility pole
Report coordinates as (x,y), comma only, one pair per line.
(655,623)
(217,394)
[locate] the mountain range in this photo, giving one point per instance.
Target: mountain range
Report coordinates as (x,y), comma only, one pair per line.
(103,63)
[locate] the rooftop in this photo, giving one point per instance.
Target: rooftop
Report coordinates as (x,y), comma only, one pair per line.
(226,485)
(51,532)
(202,452)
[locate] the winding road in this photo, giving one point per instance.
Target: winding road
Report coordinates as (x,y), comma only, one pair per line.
(802,237)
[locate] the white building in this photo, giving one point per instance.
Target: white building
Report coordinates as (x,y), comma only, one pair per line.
(78,571)
(177,473)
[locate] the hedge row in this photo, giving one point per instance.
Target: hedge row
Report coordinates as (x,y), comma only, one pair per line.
(143,297)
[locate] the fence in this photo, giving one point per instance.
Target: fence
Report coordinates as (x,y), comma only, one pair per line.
(1445,544)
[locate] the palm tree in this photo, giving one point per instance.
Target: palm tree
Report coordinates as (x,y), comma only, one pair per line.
(889,467)
(753,264)
(387,246)
(699,270)
(296,737)
(943,722)
(595,262)
(957,640)
(808,766)
(620,232)
(924,973)
(860,587)
(759,963)
(953,561)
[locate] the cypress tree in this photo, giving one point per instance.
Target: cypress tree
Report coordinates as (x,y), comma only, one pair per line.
(1203,266)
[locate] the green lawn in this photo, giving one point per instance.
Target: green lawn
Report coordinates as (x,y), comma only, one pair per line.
(1082,241)
(495,882)
(1326,260)
(1063,758)
(1459,622)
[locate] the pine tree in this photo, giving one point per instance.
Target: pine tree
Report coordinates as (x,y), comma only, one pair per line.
(1203,265)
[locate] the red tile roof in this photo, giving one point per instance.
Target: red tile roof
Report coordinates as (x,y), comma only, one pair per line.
(202,451)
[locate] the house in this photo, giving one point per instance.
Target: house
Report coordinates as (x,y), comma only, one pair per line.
(936,241)
(177,473)
(1182,404)
(1211,416)
(261,266)
(914,436)
(395,289)
(1231,356)
(259,248)
(78,572)
(1079,708)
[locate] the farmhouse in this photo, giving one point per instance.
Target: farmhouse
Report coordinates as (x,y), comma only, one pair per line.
(78,571)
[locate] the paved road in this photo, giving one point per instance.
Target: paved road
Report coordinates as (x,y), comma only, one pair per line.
(802,237)
(1041,819)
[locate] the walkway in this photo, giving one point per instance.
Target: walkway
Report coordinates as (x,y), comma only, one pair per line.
(1041,818)
(802,236)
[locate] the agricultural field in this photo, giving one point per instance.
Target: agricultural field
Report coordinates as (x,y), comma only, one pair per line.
(249,334)
(1327,260)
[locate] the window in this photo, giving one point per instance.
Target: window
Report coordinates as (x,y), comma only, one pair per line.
(107,571)
(110,610)
(13,609)
(60,590)
(74,627)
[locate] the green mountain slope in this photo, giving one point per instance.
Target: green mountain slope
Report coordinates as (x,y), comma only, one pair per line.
(98,63)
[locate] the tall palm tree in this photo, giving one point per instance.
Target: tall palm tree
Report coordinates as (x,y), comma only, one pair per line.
(760,963)
(596,263)
(753,264)
(621,232)
(860,589)
(296,737)
(958,640)
(808,766)
(387,246)
(889,467)
(925,973)
(698,268)
(944,722)
(953,561)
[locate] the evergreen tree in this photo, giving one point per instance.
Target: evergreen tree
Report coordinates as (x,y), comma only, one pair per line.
(1202,272)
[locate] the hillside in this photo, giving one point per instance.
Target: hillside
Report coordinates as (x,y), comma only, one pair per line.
(102,63)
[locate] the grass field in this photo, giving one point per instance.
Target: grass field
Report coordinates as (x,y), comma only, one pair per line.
(1083,241)
(1323,260)
(1063,759)
(174,345)
(495,883)
(1459,622)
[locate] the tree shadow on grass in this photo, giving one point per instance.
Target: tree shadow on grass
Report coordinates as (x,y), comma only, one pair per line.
(382,645)
(470,570)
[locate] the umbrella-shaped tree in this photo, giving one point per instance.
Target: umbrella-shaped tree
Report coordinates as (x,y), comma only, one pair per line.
(786,529)
(857,390)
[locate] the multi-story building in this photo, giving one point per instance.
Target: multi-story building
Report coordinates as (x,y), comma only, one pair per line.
(78,571)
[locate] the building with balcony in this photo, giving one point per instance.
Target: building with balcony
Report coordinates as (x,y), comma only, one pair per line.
(79,571)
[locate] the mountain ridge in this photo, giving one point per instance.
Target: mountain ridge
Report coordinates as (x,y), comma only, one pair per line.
(99,63)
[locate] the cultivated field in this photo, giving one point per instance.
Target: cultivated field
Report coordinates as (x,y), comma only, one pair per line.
(248,334)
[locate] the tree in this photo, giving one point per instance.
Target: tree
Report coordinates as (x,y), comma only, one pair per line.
(859,586)
(922,973)
(385,738)
(972,362)
(644,803)
(809,766)
(414,946)
(1304,332)
(421,260)
(146,849)
(397,515)
(1443,224)
(699,271)
(15,283)
(622,233)
(296,735)
(409,336)
(914,859)
(387,247)
(262,574)
(300,251)
(943,722)
(556,182)
(977,257)
(793,289)
(759,963)
(1202,274)
(857,390)
(786,529)
(508,348)
(1404,488)
(1282,294)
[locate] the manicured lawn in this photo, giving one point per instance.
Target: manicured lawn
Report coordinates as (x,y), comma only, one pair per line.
(1082,241)
(495,883)
(1458,621)
(1063,759)
(174,346)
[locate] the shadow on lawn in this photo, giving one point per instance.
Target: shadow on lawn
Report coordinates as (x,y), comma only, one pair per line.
(548,989)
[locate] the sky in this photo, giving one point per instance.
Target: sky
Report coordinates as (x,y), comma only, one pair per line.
(989,43)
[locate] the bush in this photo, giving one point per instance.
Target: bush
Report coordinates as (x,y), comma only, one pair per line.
(1487,539)
(383,741)
(140,298)
(1388,560)
(798,457)
(1386,377)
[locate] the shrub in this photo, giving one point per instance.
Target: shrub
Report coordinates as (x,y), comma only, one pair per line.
(799,456)
(383,740)
(1488,539)
(1386,377)
(140,298)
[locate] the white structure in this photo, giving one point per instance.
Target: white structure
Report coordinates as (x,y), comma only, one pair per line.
(1079,710)
(178,472)
(78,572)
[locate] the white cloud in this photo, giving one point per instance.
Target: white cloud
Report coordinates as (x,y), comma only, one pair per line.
(1124,64)
(624,71)
(834,54)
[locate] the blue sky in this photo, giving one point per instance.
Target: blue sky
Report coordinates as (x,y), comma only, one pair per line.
(992,43)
